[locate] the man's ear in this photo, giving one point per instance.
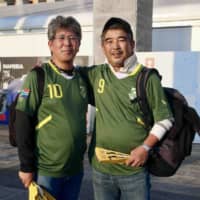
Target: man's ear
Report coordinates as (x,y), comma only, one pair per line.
(49,43)
(102,47)
(133,44)
(79,45)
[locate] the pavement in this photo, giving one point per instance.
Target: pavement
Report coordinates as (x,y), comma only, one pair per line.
(185,185)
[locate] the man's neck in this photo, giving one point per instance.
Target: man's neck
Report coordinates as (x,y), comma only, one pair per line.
(63,65)
(128,65)
(116,68)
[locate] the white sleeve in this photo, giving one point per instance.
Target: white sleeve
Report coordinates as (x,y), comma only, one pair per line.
(160,128)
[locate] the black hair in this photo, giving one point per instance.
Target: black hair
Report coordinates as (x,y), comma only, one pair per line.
(117,23)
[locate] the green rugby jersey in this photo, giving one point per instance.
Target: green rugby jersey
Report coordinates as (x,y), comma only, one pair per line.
(119,124)
(61,129)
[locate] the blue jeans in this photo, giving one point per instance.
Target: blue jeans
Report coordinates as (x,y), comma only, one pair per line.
(131,187)
(64,188)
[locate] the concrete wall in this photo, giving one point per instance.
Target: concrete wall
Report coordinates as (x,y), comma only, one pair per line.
(137,12)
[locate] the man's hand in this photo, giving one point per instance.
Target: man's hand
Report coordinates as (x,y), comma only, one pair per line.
(26,178)
(138,157)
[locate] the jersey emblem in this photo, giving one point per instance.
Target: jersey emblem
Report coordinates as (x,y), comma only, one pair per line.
(83,91)
(24,93)
(132,94)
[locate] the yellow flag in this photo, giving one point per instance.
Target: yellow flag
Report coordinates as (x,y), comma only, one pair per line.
(38,193)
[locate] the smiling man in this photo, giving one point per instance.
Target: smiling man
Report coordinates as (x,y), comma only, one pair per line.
(119,122)
(51,132)
(117,47)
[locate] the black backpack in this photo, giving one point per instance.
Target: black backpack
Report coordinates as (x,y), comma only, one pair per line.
(168,154)
(12,112)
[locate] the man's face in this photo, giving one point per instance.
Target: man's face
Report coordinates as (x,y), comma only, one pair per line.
(64,46)
(117,47)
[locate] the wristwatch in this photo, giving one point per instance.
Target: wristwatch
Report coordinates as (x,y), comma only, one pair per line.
(146,147)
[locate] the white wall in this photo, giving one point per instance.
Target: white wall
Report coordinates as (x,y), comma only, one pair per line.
(36,45)
(195,44)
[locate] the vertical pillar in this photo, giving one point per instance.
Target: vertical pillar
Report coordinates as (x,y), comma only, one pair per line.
(50,1)
(18,2)
(35,1)
(3,3)
(137,12)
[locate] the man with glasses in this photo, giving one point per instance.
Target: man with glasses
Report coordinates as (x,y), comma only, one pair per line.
(51,133)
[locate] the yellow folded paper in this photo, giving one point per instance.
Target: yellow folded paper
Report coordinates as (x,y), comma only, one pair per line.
(109,156)
(38,193)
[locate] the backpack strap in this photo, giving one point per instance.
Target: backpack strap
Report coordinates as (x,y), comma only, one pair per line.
(142,100)
(40,80)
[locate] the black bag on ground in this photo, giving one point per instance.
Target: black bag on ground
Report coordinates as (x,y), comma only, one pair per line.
(168,154)
(12,111)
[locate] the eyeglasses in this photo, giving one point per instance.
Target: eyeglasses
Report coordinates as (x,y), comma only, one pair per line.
(70,38)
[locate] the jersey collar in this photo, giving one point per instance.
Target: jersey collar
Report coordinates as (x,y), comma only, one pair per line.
(60,72)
